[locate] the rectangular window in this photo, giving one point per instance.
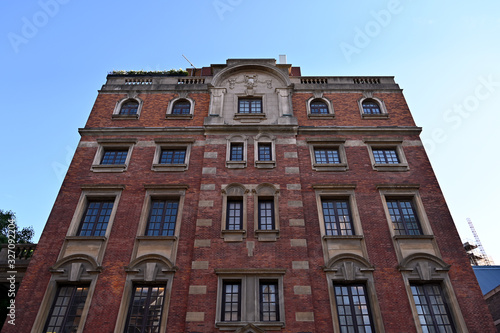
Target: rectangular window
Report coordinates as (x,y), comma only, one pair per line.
(236,151)
(249,105)
(231,301)
(265,152)
(66,311)
(432,308)
(118,156)
(173,156)
(145,310)
(337,217)
(353,309)
(266,214)
(385,156)
(403,216)
(234,214)
(95,220)
(269,301)
(326,156)
(162,218)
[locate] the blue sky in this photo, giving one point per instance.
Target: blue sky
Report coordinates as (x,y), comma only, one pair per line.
(444,54)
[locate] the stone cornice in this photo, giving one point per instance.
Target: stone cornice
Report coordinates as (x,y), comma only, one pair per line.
(101,131)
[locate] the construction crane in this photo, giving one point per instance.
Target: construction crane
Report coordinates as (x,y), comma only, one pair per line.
(478,243)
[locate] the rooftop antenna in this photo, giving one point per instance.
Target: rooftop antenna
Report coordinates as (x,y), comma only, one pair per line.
(478,242)
(192,72)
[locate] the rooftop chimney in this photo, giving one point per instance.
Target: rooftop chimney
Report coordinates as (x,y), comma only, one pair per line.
(282,59)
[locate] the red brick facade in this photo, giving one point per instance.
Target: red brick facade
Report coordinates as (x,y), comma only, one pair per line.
(302,259)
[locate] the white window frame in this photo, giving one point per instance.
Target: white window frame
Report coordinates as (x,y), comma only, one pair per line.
(329,115)
(236,138)
(325,143)
(383,110)
(265,138)
(387,143)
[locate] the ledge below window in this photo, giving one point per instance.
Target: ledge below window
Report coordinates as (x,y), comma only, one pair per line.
(125,116)
(250,117)
(169,167)
(391,167)
(236,164)
(265,164)
(267,235)
(375,116)
(330,167)
(179,116)
(108,168)
(233,235)
(321,116)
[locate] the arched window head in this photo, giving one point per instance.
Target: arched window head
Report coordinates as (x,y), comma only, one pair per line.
(181,107)
(319,107)
(370,106)
(129,107)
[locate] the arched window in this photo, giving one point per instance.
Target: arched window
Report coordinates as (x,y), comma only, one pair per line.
(319,107)
(129,107)
(181,107)
(371,107)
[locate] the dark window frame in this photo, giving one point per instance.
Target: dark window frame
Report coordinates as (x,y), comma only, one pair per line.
(181,107)
(174,159)
(327,158)
(236,151)
(269,213)
(114,156)
(71,308)
(371,106)
(265,306)
(98,227)
(352,306)
(146,316)
(130,107)
(230,214)
(162,227)
(224,302)
(406,221)
(318,106)
(265,151)
(386,156)
(332,222)
(431,310)
(254,106)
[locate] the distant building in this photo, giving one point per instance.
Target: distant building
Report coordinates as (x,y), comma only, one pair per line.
(489,281)
(248,198)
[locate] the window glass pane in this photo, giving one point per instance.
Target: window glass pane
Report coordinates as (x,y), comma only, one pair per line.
(337,217)
(67,309)
(385,156)
(403,216)
(246,105)
(114,156)
(319,107)
(145,310)
(265,152)
(269,301)
(173,156)
(181,107)
(162,218)
(234,214)
(371,107)
(353,310)
(266,214)
(236,153)
(231,301)
(432,308)
(326,156)
(95,220)
(129,108)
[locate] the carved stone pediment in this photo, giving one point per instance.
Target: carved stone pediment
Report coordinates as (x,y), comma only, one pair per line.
(424,267)
(250,328)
